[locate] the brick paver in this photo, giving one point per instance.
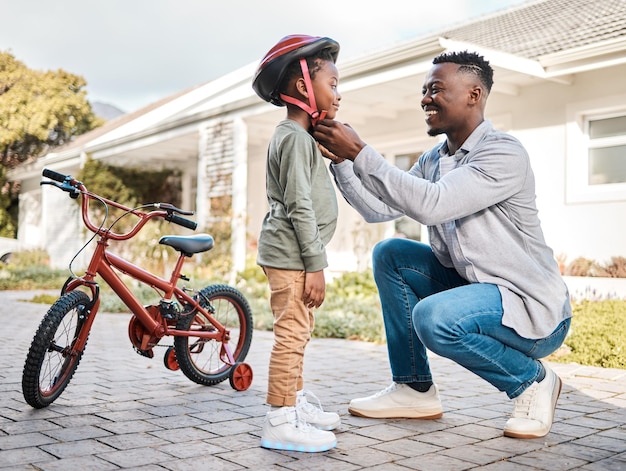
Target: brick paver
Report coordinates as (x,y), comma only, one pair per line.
(124,411)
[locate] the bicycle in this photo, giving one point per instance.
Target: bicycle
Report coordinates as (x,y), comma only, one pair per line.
(211,327)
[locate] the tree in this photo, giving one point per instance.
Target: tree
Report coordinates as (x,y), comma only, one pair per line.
(39,110)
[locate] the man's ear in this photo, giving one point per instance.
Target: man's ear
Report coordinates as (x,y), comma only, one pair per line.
(475,95)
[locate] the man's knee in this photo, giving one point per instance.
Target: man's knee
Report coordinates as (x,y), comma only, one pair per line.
(382,248)
(388,250)
(428,323)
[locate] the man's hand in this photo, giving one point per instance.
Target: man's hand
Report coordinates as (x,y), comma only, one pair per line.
(337,139)
(329,155)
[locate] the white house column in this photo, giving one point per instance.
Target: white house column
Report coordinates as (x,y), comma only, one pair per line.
(222,180)
(188,185)
(202,195)
(240,192)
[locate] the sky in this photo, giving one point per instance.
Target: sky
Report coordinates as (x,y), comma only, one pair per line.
(135,52)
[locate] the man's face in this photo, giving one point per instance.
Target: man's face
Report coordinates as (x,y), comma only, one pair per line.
(445,98)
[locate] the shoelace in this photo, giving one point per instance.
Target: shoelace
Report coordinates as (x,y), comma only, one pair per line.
(301,423)
(524,403)
(392,387)
(304,405)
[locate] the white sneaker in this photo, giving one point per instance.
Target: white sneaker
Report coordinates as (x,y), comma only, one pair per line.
(285,430)
(314,414)
(534,408)
(399,401)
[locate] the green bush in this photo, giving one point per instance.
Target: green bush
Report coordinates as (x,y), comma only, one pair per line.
(597,336)
(29,269)
(351,309)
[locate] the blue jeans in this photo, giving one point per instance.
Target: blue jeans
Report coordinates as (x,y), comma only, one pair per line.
(428,306)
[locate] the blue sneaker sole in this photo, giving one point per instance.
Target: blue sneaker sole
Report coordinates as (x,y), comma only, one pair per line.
(294,447)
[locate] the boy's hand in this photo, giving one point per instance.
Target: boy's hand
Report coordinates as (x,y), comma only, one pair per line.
(314,289)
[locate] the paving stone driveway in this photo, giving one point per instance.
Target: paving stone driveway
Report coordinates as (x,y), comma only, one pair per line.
(123,411)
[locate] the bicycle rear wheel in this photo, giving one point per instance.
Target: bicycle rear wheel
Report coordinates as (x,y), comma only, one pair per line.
(203,360)
(51,361)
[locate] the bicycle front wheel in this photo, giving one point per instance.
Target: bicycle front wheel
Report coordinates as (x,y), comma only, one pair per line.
(51,360)
(202,360)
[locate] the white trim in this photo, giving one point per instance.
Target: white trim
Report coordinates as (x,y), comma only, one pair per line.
(240,194)
(509,61)
(577,187)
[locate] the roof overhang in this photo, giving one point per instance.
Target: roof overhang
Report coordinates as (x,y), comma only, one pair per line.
(582,59)
(382,84)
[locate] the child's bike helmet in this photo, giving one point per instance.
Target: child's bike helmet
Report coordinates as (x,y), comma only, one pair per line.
(273,66)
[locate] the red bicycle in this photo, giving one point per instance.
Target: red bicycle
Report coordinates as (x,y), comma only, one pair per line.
(211,327)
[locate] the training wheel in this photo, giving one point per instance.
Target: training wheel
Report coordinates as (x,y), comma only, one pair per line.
(170,359)
(240,376)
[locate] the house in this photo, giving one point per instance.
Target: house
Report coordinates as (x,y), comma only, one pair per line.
(560,88)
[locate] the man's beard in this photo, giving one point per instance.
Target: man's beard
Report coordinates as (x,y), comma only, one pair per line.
(435,132)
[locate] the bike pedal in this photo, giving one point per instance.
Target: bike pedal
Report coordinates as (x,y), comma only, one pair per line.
(144,353)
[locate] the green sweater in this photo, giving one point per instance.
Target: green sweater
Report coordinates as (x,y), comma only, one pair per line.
(303,210)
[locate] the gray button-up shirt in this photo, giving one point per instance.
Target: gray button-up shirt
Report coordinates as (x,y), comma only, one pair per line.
(481,216)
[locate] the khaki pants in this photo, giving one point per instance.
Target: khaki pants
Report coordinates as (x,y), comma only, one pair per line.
(293,324)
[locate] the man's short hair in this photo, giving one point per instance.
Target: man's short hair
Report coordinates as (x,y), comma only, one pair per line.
(471,63)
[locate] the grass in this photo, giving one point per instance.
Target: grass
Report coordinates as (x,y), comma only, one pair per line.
(351,310)
(597,336)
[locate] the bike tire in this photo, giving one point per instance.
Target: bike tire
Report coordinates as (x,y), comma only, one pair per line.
(200,360)
(48,368)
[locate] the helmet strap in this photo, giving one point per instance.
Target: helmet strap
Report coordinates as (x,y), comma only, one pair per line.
(311,108)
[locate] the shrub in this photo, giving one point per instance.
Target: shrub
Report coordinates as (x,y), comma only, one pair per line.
(253,284)
(615,268)
(28,258)
(582,267)
(597,336)
(28,269)
(350,310)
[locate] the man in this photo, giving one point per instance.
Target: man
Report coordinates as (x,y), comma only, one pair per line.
(487,292)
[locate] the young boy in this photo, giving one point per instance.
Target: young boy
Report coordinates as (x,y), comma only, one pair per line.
(299,72)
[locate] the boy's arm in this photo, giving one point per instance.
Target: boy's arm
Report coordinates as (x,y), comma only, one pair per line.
(295,177)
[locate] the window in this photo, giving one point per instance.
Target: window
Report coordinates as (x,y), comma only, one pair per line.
(405,226)
(607,150)
(406,161)
(596,151)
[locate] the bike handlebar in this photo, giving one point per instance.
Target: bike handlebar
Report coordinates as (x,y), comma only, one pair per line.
(74,187)
(188,223)
(56,176)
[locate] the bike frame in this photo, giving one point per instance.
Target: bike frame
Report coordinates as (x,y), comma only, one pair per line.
(105,264)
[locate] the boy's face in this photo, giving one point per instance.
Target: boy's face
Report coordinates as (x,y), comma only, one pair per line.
(325,83)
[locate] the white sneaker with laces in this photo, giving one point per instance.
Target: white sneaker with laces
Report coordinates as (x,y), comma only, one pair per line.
(313,414)
(285,430)
(399,401)
(534,408)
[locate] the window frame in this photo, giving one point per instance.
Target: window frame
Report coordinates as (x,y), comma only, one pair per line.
(577,166)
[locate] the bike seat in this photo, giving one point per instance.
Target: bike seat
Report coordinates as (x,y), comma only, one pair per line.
(189,244)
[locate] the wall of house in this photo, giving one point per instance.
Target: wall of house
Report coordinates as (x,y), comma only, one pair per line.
(542,120)
(62,231)
(540,116)
(48,219)
(348,250)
